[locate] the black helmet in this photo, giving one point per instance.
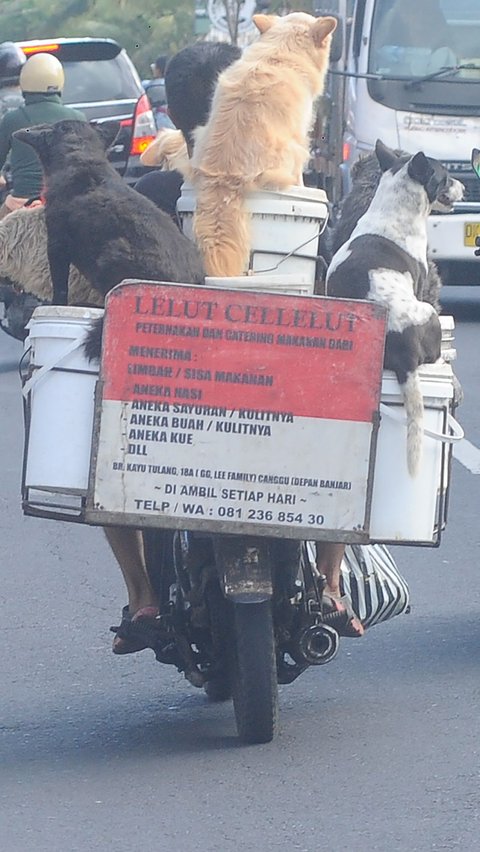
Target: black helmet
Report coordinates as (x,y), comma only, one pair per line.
(12,59)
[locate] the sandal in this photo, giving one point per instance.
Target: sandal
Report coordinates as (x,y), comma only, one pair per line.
(128,640)
(339,614)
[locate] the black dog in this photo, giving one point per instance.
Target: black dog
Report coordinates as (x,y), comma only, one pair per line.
(96,222)
(366,174)
(385,260)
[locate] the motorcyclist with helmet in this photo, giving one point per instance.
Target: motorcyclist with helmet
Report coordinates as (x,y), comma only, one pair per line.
(41,82)
(12,59)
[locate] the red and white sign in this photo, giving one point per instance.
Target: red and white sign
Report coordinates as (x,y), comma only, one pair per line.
(246,408)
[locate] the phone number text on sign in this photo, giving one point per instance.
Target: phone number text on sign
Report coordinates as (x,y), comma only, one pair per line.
(235,408)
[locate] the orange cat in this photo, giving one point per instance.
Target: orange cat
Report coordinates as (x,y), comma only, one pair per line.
(257,133)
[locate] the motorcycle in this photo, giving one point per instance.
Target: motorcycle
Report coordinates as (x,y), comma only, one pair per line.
(241,604)
(238,616)
(16,309)
(16,306)
(240,611)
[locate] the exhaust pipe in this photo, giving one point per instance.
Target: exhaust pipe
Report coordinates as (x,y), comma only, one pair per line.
(316,645)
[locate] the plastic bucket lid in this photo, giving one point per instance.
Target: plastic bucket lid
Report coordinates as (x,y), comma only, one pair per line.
(435,382)
(298,201)
(65,313)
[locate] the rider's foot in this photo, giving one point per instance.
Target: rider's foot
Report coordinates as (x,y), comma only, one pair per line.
(338,612)
(125,644)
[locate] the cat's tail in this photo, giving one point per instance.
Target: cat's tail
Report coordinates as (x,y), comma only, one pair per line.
(221,226)
(413,399)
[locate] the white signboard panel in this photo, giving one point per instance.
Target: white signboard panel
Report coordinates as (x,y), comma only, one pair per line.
(251,410)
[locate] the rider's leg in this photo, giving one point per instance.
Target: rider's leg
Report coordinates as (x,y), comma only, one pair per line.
(127,546)
(329,561)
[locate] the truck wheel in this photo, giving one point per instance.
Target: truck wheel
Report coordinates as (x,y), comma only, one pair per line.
(253,672)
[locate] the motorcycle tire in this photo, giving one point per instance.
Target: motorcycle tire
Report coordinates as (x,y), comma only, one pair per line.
(218,688)
(253,672)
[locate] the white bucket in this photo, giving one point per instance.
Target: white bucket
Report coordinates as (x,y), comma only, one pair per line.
(285,228)
(449,353)
(405,508)
(60,406)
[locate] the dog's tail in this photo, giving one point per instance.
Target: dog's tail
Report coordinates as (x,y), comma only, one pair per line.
(221,226)
(413,399)
(93,341)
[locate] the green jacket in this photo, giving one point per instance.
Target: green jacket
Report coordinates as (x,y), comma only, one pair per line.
(26,171)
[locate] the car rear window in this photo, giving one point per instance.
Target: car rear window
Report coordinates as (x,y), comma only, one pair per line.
(103,80)
(94,71)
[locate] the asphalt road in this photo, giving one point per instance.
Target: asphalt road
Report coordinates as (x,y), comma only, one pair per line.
(377,751)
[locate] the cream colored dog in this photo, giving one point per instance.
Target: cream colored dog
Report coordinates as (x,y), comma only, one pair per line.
(168,151)
(257,133)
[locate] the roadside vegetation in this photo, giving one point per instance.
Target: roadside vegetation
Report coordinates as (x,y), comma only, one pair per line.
(145,29)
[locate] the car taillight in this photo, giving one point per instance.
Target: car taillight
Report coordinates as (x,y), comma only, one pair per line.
(30,49)
(144,129)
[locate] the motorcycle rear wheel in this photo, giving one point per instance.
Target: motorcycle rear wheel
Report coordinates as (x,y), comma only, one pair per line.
(218,687)
(253,672)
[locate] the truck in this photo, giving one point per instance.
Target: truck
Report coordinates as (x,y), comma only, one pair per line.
(407,72)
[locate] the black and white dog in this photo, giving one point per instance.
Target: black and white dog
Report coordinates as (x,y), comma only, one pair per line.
(385,260)
(365,176)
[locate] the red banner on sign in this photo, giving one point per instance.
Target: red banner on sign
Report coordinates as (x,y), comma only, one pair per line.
(182,345)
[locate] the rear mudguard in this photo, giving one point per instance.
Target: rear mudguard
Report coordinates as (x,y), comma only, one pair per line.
(244,568)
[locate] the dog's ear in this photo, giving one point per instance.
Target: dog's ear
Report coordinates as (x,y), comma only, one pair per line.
(322,28)
(38,137)
(385,156)
(420,169)
(264,22)
(108,132)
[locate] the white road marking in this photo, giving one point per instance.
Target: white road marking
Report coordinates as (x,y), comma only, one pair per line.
(468,455)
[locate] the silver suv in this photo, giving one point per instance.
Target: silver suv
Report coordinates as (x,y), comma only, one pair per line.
(101,81)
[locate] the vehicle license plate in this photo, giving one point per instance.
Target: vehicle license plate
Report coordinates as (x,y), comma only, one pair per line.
(471,232)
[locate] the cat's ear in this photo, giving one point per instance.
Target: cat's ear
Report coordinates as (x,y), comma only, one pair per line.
(264,22)
(322,28)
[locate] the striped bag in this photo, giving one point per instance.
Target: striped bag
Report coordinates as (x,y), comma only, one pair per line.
(372,581)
